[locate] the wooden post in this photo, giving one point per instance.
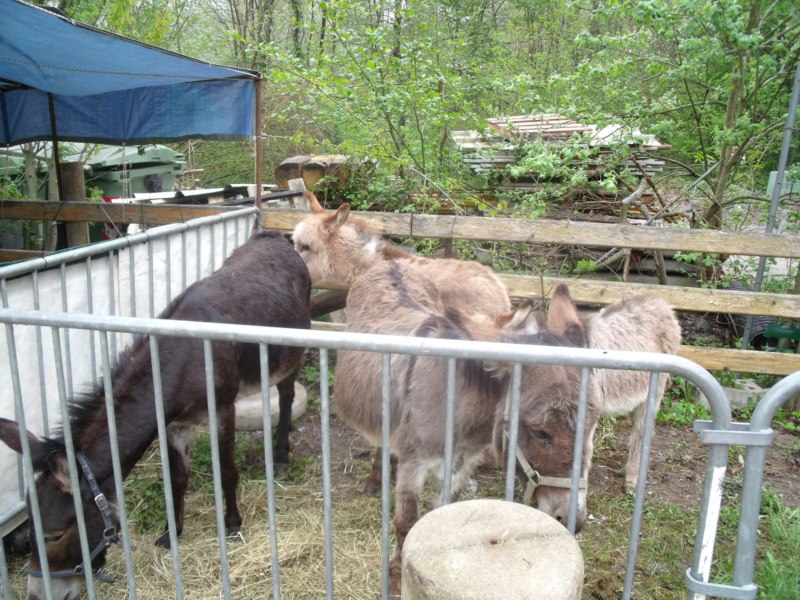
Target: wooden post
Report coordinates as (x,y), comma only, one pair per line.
(298,185)
(74,190)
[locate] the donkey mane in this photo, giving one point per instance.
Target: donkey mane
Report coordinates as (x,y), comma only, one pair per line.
(86,407)
(381,245)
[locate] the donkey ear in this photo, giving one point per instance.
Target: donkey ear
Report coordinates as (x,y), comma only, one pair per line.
(313,204)
(519,319)
(60,471)
(336,220)
(10,435)
(563,317)
(563,312)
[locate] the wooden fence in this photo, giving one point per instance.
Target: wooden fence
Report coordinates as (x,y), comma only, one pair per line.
(450,227)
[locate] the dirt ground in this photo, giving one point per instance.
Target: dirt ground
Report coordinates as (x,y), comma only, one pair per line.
(676,470)
(676,476)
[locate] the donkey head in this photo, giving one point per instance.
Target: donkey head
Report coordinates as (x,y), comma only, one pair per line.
(548,409)
(335,246)
(59,524)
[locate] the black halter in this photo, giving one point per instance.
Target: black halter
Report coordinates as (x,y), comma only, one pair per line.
(110,535)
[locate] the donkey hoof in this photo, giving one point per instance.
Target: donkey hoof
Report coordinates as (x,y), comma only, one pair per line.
(234,535)
(372,488)
(281,469)
(394,582)
(163,540)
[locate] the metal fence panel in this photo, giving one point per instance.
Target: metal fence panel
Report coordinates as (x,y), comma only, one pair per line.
(16,319)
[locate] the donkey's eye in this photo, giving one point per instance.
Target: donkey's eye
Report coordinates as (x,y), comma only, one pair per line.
(303,248)
(542,436)
(53,538)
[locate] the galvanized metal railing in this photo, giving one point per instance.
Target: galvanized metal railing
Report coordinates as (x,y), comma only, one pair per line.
(756,436)
(386,345)
(126,276)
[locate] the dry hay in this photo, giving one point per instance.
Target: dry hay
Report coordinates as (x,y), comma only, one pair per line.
(356,548)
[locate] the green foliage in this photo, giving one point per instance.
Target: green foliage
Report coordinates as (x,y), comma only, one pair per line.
(585,267)
(10,189)
(680,406)
(778,571)
(694,72)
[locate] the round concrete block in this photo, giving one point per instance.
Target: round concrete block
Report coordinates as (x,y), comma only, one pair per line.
(248,406)
(490,549)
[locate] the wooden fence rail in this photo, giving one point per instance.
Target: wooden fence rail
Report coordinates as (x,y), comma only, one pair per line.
(448,227)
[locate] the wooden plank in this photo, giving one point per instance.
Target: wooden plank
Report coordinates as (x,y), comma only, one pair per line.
(605,235)
(600,293)
(713,359)
(742,361)
(680,298)
(572,233)
(542,231)
(145,214)
(14,255)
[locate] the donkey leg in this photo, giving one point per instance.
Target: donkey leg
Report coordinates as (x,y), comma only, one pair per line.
(635,447)
(463,472)
(638,418)
(410,479)
(226,434)
(286,399)
(372,483)
(179,444)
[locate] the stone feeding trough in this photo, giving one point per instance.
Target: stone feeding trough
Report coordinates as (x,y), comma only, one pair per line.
(249,403)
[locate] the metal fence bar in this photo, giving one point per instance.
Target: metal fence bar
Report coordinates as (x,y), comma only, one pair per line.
(108,390)
(40,360)
(213,434)
(198,252)
(5,583)
(184,255)
(266,424)
(577,451)
(12,352)
(168,261)
(132,275)
(512,423)
(74,472)
(386,471)
(65,308)
(760,421)
(112,300)
(371,342)
(165,470)
(638,505)
(224,240)
(151,281)
(449,425)
(213,257)
(326,469)
(27,460)
(90,308)
(77,254)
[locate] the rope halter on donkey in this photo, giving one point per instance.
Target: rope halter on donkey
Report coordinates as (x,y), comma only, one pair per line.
(110,535)
(533,476)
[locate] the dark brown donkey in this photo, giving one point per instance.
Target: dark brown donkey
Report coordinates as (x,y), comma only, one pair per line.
(395,297)
(264,282)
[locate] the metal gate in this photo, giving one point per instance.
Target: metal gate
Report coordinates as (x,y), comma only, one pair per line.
(104,329)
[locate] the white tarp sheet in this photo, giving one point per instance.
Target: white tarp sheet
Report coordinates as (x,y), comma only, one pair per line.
(177,261)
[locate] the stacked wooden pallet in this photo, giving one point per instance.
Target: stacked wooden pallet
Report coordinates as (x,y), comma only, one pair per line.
(499,147)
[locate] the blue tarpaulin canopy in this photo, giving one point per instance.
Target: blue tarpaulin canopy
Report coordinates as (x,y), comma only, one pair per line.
(63,80)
